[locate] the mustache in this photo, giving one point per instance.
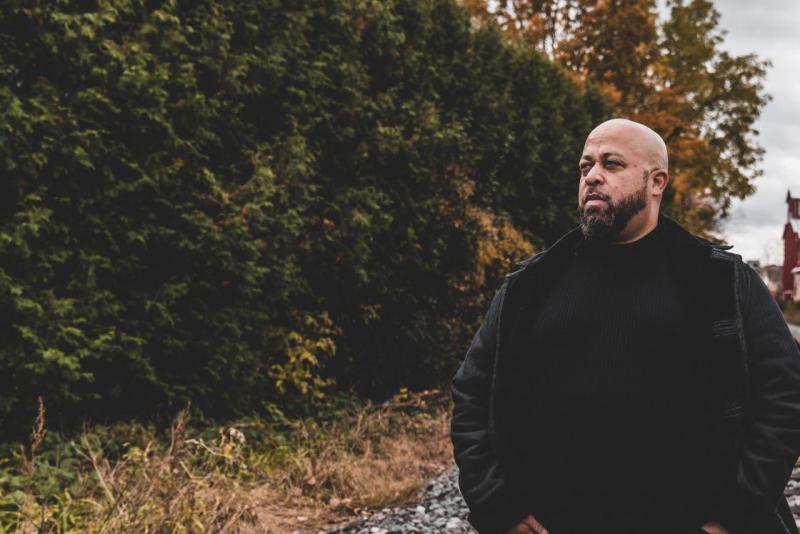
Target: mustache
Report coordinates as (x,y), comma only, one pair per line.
(595,195)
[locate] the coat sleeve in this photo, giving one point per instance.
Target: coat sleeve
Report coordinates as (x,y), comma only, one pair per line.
(494,507)
(771,434)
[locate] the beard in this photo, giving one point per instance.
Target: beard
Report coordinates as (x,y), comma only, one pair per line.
(604,225)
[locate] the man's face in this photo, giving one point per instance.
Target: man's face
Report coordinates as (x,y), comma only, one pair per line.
(613,188)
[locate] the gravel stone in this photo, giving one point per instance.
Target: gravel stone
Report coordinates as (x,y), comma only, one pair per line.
(440,508)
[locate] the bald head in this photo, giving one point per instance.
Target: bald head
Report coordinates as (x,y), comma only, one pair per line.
(646,143)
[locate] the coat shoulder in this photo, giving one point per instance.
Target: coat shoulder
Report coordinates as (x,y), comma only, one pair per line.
(722,252)
(524,264)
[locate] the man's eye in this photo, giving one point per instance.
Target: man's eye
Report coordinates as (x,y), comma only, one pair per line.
(584,167)
(612,163)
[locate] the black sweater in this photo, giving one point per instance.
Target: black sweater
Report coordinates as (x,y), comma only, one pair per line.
(616,407)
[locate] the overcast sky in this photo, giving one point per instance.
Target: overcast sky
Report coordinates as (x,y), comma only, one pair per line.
(768,28)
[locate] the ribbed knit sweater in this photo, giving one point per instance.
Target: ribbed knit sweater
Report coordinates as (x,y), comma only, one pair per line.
(615,408)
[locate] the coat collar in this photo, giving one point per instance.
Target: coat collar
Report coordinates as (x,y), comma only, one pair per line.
(678,238)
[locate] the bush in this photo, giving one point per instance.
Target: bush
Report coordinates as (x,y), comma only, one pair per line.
(239,203)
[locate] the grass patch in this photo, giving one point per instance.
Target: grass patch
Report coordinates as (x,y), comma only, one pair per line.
(254,475)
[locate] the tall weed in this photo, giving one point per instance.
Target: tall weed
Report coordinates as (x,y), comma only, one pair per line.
(270,474)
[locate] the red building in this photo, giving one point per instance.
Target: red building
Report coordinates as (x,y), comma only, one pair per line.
(791,247)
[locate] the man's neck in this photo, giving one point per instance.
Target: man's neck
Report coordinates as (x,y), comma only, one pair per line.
(634,232)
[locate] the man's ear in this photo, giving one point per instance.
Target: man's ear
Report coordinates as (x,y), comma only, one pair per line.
(659,179)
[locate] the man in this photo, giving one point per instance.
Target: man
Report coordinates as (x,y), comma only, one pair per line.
(633,378)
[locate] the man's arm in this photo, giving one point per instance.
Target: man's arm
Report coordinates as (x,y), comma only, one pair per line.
(771,437)
(494,507)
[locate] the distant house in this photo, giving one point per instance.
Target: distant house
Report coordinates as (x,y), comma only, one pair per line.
(790,277)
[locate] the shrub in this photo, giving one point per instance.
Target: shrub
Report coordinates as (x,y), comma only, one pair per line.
(238,203)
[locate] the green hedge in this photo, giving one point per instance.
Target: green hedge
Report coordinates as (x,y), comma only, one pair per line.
(238,203)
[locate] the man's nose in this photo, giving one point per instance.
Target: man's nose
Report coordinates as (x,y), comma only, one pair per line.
(594,176)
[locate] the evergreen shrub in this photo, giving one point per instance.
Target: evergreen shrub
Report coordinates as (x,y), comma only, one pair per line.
(246,204)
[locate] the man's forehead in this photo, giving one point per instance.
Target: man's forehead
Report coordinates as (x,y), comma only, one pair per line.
(592,154)
(612,136)
(605,144)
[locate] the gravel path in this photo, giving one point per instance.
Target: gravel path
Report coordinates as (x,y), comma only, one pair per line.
(441,509)
(792,492)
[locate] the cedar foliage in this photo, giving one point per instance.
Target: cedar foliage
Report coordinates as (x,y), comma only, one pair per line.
(244,204)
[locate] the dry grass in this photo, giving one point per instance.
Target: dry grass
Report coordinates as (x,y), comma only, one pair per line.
(187,486)
(375,458)
(305,476)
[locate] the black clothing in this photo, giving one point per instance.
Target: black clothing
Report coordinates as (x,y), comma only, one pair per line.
(751,371)
(611,446)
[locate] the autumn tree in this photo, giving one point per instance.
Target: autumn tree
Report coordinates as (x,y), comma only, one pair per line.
(706,104)
(670,74)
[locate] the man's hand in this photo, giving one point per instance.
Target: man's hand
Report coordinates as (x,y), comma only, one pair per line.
(712,527)
(528,525)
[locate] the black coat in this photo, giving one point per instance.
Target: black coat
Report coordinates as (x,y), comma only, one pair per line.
(759,375)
